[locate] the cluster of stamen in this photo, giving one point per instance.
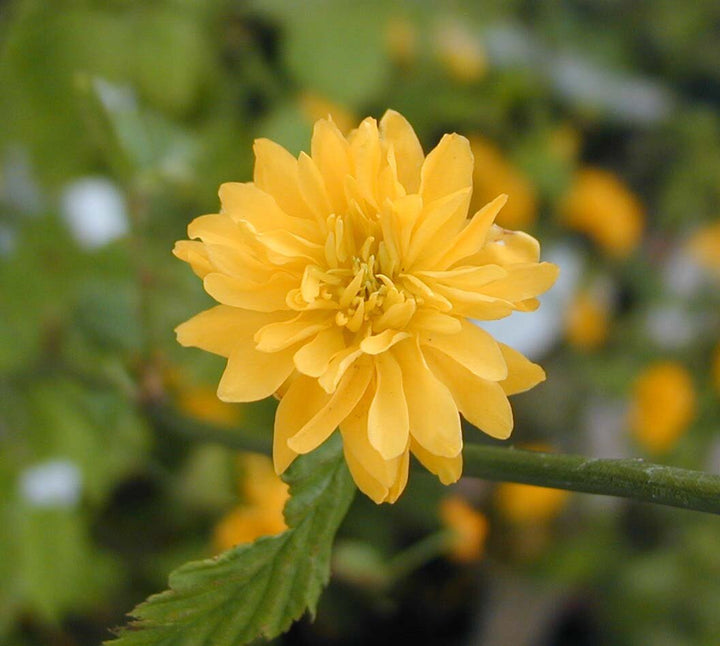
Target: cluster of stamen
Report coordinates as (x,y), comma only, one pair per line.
(359,282)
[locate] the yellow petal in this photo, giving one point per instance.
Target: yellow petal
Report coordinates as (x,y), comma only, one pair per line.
(312,187)
(245,201)
(395,131)
(331,154)
(524,281)
(268,297)
(341,403)
(337,367)
(483,403)
(522,373)
(276,173)
(473,348)
(217,228)
(434,419)
(355,440)
(437,223)
(366,157)
(427,320)
(222,328)
(507,248)
(401,477)
(370,486)
(195,255)
(472,237)
(303,399)
(381,342)
(313,358)
(388,419)
(447,169)
(448,470)
(283,334)
(251,375)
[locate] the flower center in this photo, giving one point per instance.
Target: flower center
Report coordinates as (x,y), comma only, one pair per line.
(360,286)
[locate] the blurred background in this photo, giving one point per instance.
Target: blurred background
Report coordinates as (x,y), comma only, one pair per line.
(118,121)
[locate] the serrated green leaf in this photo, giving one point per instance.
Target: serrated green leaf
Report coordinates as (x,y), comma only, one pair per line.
(255,590)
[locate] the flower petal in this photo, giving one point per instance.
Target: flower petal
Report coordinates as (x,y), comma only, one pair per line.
(313,358)
(472,237)
(434,418)
(388,418)
(222,328)
(195,255)
(283,334)
(522,282)
(251,375)
(523,374)
(448,470)
(381,342)
(395,131)
(267,297)
(483,403)
(447,169)
(331,154)
(303,399)
(473,348)
(349,391)
(276,173)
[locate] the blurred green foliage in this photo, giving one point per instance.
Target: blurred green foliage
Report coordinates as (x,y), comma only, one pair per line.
(164,99)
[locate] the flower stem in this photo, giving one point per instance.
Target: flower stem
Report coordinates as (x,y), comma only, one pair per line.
(626,478)
(418,554)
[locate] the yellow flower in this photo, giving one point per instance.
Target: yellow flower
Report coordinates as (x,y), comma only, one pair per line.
(461,52)
(494,174)
(346,280)
(262,514)
(599,205)
(527,504)
(401,40)
(201,402)
(587,321)
(468,526)
(662,406)
(704,245)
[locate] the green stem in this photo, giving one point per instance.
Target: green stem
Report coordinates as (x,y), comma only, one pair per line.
(626,478)
(418,554)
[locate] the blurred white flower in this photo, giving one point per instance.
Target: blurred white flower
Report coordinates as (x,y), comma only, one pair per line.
(682,275)
(55,483)
(671,326)
(535,333)
(95,211)
(630,98)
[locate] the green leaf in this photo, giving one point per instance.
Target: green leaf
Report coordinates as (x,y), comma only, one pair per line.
(260,589)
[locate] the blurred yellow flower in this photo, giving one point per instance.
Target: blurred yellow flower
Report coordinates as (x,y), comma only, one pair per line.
(599,205)
(587,321)
(346,280)
(264,495)
(527,504)
(460,51)
(201,402)
(401,40)
(662,406)
(314,107)
(468,526)
(704,245)
(494,174)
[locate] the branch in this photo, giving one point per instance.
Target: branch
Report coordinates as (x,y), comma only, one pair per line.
(626,478)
